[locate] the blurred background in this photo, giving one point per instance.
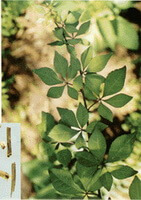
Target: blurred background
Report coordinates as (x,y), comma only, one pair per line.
(27,28)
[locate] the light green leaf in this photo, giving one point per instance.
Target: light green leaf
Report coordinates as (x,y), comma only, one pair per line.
(86,56)
(121,148)
(58,32)
(123,172)
(82,115)
(135,189)
(107,30)
(78,83)
(83,28)
(80,142)
(64,156)
(118,100)
(68,117)
(47,75)
(61,133)
(73,17)
(105,112)
(98,63)
(63,182)
(85,158)
(115,81)
(97,145)
(107,180)
(130,40)
(55,92)
(72,93)
(60,64)
(70,28)
(93,82)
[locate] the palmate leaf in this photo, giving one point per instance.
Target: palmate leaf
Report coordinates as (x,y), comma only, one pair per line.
(98,63)
(87,56)
(114,81)
(63,182)
(118,100)
(82,115)
(64,156)
(123,172)
(61,133)
(68,117)
(105,112)
(60,64)
(121,148)
(107,180)
(55,92)
(83,28)
(135,189)
(47,75)
(97,145)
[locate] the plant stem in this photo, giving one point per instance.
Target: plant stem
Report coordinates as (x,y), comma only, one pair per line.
(99,194)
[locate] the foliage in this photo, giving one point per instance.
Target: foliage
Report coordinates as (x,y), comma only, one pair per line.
(75,155)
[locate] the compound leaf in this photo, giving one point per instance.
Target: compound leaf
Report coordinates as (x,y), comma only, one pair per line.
(47,75)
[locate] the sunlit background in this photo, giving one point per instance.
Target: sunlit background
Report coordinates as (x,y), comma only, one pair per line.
(27,28)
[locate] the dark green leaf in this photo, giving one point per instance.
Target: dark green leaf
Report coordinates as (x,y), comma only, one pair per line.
(78,83)
(97,145)
(85,158)
(71,50)
(121,148)
(55,92)
(80,142)
(96,186)
(114,81)
(68,117)
(87,56)
(83,28)
(58,32)
(89,94)
(107,180)
(60,64)
(61,133)
(95,178)
(93,82)
(118,100)
(98,63)
(64,156)
(72,93)
(130,40)
(70,28)
(135,189)
(74,41)
(72,72)
(63,182)
(105,112)
(47,75)
(75,63)
(56,43)
(82,115)
(96,125)
(123,172)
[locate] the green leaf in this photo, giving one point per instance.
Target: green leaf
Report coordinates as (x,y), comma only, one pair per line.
(83,28)
(74,41)
(118,100)
(58,32)
(93,82)
(123,172)
(73,17)
(107,180)
(107,30)
(68,117)
(87,56)
(80,142)
(135,189)
(75,63)
(70,28)
(96,125)
(105,112)
(82,115)
(97,145)
(115,81)
(60,64)
(55,92)
(64,156)
(61,133)
(95,178)
(89,94)
(71,50)
(56,43)
(96,186)
(72,72)
(85,158)
(72,93)
(78,83)
(63,182)
(130,40)
(47,75)
(121,148)
(98,63)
